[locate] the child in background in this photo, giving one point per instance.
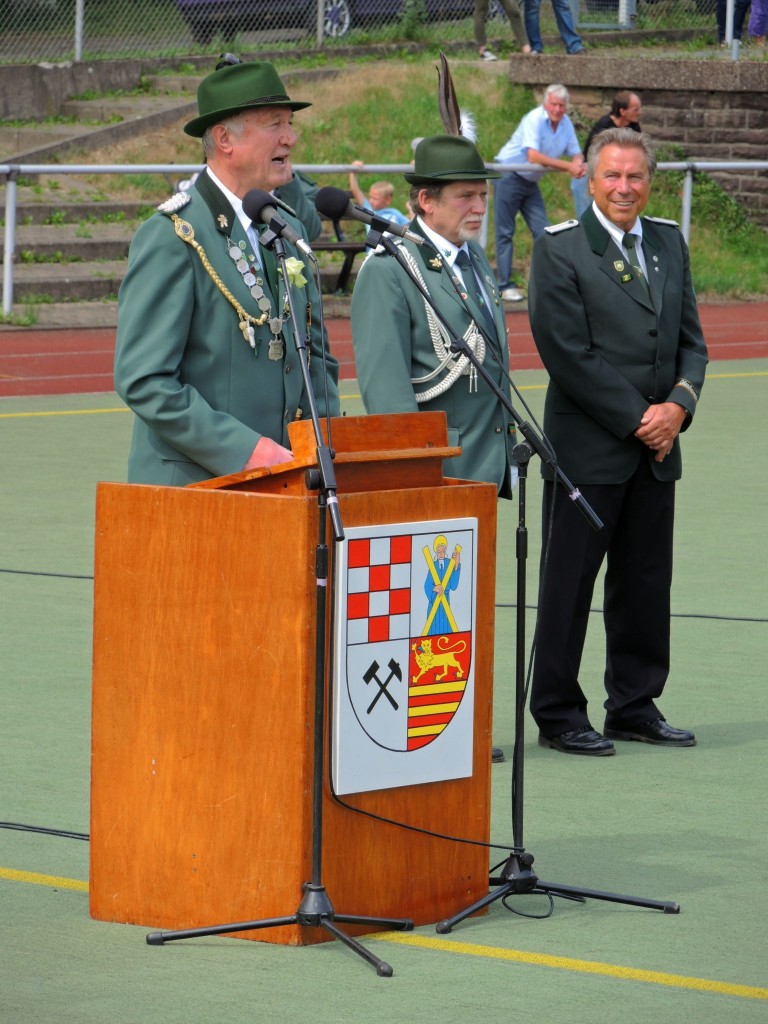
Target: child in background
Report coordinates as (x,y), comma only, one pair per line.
(378,199)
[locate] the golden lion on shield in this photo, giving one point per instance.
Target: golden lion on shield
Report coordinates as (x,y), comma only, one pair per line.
(444,658)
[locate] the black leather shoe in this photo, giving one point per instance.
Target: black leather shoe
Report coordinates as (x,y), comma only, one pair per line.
(497,755)
(579,741)
(656,731)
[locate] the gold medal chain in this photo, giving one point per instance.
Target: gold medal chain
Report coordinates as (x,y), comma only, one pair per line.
(186,233)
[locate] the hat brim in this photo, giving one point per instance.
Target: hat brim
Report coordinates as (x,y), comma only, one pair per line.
(443,177)
(197,126)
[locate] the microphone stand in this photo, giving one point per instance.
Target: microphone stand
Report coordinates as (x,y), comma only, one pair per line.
(315,909)
(517,875)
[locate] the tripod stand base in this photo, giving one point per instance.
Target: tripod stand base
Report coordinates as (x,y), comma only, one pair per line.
(315,911)
(518,879)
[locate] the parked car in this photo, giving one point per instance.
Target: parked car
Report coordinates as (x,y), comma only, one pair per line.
(225,18)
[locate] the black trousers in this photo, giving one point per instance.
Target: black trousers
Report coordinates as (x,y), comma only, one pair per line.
(638,518)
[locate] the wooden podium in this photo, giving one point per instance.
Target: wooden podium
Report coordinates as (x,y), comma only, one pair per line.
(203,698)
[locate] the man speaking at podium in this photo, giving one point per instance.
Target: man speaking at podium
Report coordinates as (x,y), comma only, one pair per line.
(205,352)
(402,352)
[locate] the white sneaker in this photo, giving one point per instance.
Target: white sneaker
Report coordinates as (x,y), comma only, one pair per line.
(488,55)
(512,295)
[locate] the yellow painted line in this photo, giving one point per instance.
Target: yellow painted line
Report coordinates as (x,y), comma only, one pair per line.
(565,963)
(725,376)
(54,881)
(60,412)
(491,952)
(343,398)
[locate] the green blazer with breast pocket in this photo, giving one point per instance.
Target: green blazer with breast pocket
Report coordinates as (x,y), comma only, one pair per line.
(203,397)
(610,349)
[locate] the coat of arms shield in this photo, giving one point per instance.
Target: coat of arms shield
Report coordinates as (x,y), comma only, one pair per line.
(403,673)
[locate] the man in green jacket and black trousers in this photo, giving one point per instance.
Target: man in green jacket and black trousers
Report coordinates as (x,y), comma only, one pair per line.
(614,318)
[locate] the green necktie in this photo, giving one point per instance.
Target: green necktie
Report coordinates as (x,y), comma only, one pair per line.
(629,245)
(472,289)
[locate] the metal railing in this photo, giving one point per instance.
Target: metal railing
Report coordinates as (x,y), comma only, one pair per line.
(11,173)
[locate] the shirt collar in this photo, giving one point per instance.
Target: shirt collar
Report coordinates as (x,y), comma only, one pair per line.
(235,202)
(447,249)
(617,233)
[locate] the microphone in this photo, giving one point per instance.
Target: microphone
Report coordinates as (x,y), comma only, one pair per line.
(335,204)
(260,206)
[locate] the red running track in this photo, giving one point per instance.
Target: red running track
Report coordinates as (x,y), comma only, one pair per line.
(66,362)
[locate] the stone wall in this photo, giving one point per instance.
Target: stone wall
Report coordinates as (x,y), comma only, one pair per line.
(711,110)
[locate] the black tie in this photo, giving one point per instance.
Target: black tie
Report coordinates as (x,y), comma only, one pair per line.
(629,245)
(472,289)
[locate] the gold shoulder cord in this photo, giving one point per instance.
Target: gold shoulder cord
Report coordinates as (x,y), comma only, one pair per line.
(186,233)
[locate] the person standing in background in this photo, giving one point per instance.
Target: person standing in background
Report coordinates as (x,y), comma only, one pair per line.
(624,113)
(758,22)
(740,12)
(515,18)
(565,26)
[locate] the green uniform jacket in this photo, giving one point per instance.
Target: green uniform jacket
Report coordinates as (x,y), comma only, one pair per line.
(202,397)
(393,344)
(610,352)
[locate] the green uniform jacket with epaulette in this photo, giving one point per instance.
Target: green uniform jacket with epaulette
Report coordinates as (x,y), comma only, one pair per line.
(393,344)
(610,351)
(202,396)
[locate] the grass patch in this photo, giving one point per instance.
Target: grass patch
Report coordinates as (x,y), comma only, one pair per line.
(26,319)
(31,256)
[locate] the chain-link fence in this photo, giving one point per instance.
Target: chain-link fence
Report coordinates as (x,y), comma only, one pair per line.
(32,31)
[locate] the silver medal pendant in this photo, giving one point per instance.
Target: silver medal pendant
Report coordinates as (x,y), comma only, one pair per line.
(276,349)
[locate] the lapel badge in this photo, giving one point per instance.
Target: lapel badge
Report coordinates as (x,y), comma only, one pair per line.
(625,278)
(618,265)
(491,288)
(223,221)
(436,263)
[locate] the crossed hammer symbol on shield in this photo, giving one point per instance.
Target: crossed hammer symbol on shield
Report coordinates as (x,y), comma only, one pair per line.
(371,676)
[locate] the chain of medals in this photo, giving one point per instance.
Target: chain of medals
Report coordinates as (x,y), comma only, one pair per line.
(186,232)
(248,268)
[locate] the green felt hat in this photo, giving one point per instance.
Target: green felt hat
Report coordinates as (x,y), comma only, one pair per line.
(443,158)
(235,88)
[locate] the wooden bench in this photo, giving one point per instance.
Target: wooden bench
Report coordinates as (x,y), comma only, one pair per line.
(350,249)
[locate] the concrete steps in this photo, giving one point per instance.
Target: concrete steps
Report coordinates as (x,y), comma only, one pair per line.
(100,122)
(67,243)
(69,211)
(83,281)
